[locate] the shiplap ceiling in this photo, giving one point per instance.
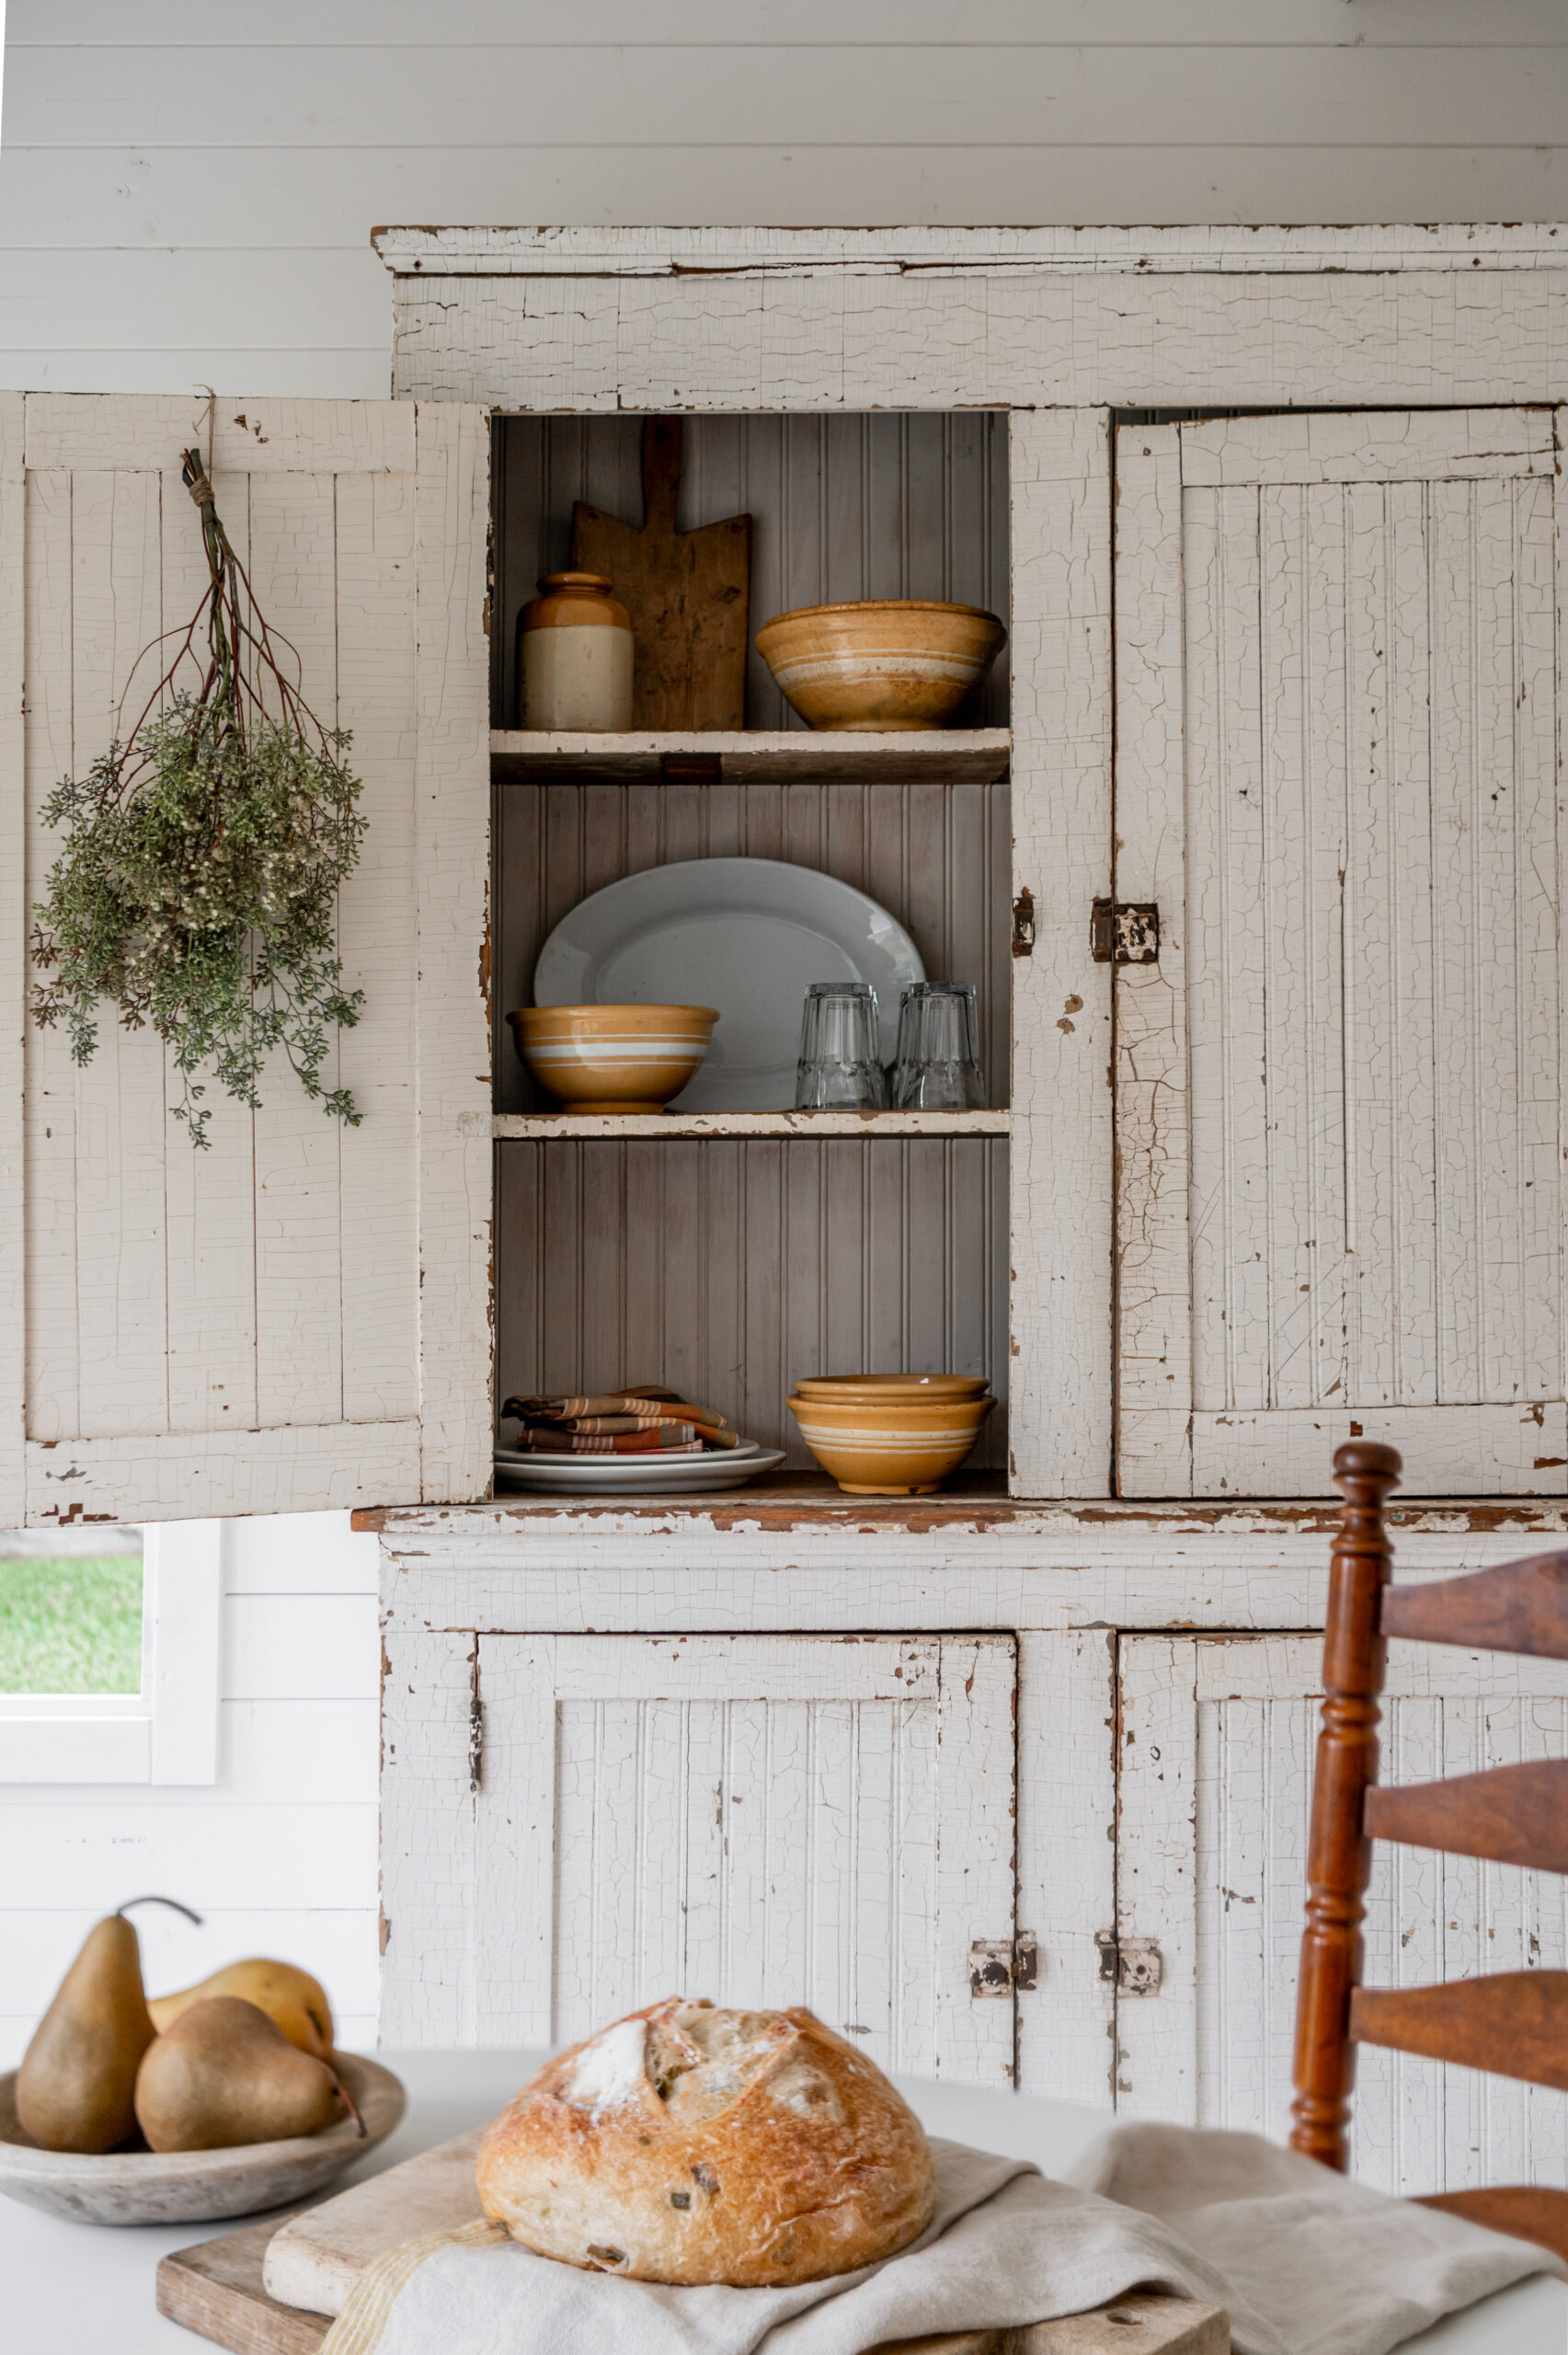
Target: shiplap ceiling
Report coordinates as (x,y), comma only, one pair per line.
(191,203)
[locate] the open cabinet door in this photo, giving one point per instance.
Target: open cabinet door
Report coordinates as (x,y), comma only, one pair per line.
(297,1317)
(1340,1086)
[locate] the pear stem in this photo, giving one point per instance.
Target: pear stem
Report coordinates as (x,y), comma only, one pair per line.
(172,1901)
(353,2108)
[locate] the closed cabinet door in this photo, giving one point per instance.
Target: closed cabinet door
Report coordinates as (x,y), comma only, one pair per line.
(1340,1080)
(1217,1743)
(765,1821)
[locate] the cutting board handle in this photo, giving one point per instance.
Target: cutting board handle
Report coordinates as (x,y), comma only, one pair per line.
(661,472)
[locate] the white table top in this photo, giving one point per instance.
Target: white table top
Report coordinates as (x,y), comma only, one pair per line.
(79,2288)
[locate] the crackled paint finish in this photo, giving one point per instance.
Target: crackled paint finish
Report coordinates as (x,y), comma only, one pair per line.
(241,1330)
(826,1820)
(1340,1192)
(1216,1753)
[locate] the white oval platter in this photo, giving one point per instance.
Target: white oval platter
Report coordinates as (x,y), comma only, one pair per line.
(746,935)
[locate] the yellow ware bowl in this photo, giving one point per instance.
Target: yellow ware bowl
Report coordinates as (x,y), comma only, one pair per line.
(896,662)
(883,1451)
(613,1058)
(892,1389)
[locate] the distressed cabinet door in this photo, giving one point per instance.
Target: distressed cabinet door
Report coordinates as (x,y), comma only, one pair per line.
(762,1820)
(296,1317)
(1218,1736)
(1340,1089)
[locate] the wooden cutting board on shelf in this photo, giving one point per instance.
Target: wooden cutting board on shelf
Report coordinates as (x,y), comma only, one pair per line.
(219,2288)
(689,594)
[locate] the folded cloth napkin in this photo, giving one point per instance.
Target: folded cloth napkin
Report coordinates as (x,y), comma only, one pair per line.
(1305,2263)
(550,1439)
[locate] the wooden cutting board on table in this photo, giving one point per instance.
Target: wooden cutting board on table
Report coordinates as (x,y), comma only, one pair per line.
(241,2289)
(689,594)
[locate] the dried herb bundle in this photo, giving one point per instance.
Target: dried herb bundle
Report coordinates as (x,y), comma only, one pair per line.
(198,887)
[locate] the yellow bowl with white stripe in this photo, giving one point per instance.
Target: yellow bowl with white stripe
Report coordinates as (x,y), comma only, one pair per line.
(613,1058)
(882,663)
(874,1449)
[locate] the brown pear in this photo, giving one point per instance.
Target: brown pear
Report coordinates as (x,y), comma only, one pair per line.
(286,1994)
(76,2084)
(225,2075)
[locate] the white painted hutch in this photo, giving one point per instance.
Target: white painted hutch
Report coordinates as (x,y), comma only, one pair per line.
(1013,1779)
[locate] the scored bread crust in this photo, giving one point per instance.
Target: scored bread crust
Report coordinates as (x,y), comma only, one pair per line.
(691,2144)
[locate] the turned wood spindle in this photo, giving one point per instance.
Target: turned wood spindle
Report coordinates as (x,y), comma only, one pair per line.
(1339,1854)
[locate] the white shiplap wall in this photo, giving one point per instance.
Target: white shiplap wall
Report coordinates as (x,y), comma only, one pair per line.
(280,1854)
(186,190)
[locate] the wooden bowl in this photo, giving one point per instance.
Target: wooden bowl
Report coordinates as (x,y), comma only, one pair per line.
(896,662)
(191,2186)
(875,1450)
(613,1058)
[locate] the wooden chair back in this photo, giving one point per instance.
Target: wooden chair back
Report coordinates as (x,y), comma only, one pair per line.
(1512,2023)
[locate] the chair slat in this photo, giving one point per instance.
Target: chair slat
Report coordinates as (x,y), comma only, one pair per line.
(1518,1607)
(1530,2212)
(1513,2023)
(1515,1815)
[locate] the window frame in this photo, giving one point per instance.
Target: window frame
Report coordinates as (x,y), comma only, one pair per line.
(168,1732)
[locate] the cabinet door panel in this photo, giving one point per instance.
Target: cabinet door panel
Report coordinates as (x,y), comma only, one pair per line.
(241,1329)
(1340,1193)
(765,1821)
(1219,1735)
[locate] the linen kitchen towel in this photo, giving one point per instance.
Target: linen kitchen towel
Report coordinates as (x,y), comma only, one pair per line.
(1304,2267)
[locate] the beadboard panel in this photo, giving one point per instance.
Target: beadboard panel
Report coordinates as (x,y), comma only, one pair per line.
(728,1268)
(841,508)
(1357,1069)
(175,1292)
(242,1323)
(763,1821)
(936,857)
(1213,1865)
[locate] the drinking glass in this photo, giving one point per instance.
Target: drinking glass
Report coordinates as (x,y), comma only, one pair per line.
(938,1066)
(839,1068)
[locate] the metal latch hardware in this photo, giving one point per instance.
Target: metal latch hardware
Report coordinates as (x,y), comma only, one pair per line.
(1124,931)
(1004,1966)
(1024,925)
(1134,1966)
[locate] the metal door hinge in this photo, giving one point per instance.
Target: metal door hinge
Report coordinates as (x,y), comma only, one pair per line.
(1004,1966)
(1124,931)
(1135,1966)
(1024,925)
(476,1727)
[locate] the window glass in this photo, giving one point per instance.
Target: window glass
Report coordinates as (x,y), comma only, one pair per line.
(71,1610)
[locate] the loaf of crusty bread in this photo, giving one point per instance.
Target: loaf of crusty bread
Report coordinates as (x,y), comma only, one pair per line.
(692,2145)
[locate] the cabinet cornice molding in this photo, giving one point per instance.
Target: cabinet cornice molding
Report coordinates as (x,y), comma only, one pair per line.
(578,252)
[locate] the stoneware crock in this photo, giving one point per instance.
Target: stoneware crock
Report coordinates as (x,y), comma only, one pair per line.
(574,657)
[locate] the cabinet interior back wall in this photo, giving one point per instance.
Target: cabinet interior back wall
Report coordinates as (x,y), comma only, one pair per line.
(935,855)
(842,507)
(725,1268)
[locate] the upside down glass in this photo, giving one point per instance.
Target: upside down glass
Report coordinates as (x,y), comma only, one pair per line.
(839,1068)
(938,1066)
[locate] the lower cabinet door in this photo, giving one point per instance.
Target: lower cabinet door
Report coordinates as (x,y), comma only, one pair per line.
(1217,1742)
(763,1820)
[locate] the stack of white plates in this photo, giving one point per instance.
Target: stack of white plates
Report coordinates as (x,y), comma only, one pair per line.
(651,1475)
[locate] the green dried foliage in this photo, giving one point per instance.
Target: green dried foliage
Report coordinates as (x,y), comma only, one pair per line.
(197,892)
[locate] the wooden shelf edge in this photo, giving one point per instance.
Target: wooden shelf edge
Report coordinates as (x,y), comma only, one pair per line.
(766,756)
(750,1124)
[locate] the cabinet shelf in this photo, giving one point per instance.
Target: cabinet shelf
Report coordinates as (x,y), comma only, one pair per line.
(750,1124)
(927,755)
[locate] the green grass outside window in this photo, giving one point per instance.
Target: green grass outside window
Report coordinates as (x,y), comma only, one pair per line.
(71,1623)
